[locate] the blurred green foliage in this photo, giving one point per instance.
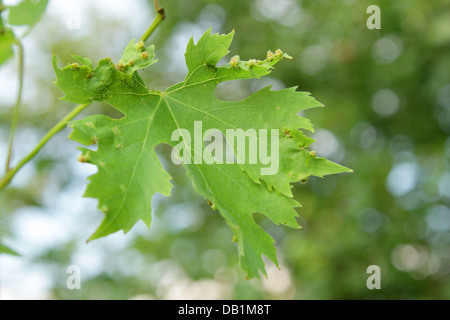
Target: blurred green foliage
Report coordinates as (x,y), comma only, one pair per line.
(387,116)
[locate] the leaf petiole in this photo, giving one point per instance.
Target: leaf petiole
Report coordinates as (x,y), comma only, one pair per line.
(58,127)
(160,16)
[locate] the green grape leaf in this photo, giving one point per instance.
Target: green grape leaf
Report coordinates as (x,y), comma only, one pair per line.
(7,40)
(6,250)
(27,12)
(129,172)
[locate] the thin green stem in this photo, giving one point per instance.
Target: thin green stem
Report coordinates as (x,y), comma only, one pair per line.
(58,127)
(160,16)
(15,119)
